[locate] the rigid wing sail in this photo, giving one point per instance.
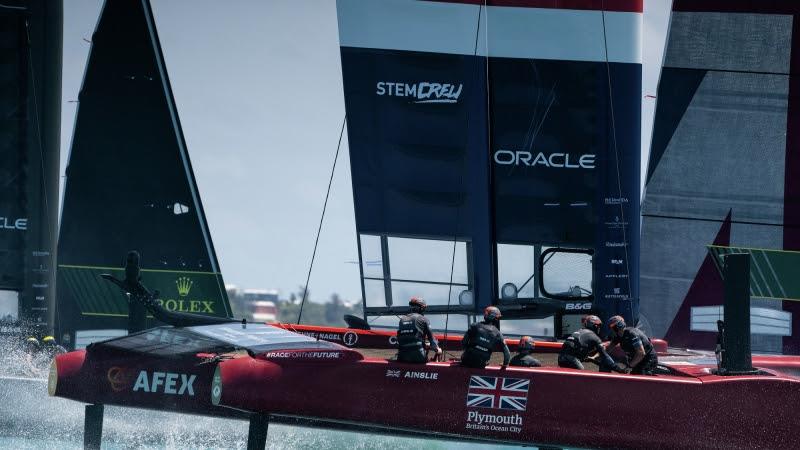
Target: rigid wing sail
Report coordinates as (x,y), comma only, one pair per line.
(501,141)
(30,117)
(129,186)
(724,167)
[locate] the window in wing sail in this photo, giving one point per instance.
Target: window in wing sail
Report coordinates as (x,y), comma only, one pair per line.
(566,273)
(397,268)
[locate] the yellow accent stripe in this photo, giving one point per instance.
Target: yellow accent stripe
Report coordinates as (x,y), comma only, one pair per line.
(103,314)
(754,248)
(69,266)
(108,314)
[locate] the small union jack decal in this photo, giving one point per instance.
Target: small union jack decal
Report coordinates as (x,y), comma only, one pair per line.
(498,393)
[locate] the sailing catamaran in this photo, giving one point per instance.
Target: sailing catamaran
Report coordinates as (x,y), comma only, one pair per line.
(507,157)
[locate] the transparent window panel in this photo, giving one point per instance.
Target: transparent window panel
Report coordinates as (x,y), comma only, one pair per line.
(375,293)
(567,274)
(434,294)
(427,260)
(371,259)
(457,323)
(9,306)
(516,264)
(528,327)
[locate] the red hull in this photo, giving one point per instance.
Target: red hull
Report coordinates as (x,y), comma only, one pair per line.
(691,409)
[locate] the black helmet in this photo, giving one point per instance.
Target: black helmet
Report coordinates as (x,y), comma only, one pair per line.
(32,345)
(417,304)
(525,344)
(616,323)
(593,323)
(491,313)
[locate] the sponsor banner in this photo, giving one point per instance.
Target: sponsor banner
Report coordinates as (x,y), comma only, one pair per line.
(412,374)
(13,224)
(303,355)
(191,292)
(168,383)
(494,403)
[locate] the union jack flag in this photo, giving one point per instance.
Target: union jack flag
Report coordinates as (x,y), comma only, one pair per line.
(498,393)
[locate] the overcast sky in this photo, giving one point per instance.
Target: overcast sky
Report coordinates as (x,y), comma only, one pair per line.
(258,87)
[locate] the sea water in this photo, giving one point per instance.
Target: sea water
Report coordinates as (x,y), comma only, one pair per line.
(30,419)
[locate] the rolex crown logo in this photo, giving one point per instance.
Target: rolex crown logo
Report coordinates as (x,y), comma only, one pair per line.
(184,284)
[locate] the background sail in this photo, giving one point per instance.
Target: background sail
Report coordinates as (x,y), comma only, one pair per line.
(482,135)
(724,164)
(30,116)
(130,185)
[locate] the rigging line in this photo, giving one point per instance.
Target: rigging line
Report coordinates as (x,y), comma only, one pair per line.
(41,159)
(322,217)
(461,185)
(616,150)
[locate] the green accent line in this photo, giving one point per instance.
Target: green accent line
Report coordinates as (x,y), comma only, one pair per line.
(103,314)
(69,266)
(109,315)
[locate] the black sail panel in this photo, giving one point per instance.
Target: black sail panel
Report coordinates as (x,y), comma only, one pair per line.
(130,184)
(721,169)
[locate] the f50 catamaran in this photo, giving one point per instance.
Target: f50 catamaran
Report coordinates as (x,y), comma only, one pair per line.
(499,139)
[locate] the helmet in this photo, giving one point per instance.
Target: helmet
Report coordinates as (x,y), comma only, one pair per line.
(417,303)
(616,323)
(491,313)
(32,345)
(592,323)
(49,341)
(525,344)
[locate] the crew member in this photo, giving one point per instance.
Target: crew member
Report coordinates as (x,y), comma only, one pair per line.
(481,338)
(32,346)
(51,348)
(642,358)
(523,357)
(411,334)
(581,345)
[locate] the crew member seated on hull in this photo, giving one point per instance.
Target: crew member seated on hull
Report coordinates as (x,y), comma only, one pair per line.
(586,345)
(481,338)
(411,334)
(523,357)
(642,358)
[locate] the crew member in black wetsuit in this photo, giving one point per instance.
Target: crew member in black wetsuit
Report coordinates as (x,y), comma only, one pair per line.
(481,338)
(582,344)
(523,357)
(411,334)
(642,358)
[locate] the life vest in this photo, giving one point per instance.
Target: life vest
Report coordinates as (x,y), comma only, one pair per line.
(574,346)
(410,337)
(481,343)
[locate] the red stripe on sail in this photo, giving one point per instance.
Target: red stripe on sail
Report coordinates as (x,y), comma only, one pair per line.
(738,6)
(591,5)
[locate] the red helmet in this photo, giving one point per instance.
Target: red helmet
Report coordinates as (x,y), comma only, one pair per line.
(616,323)
(525,344)
(417,303)
(593,323)
(491,313)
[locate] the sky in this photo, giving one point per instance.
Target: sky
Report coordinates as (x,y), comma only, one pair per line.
(258,88)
